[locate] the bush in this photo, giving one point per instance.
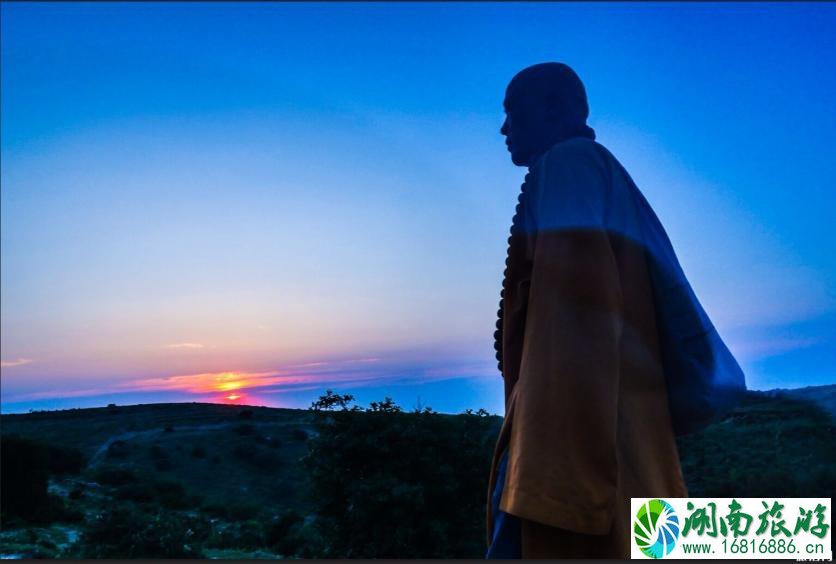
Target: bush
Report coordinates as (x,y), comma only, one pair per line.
(163,464)
(244,535)
(124,532)
(271,442)
(118,449)
(258,457)
(215,510)
(24,477)
(77,492)
(770,445)
(282,533)
(242,511)
(25,466)
(136,492)
(161,459)
(244,429)
(114,476)
(60,512)
(171,494)
(299,435)
(65,460)
(382,481)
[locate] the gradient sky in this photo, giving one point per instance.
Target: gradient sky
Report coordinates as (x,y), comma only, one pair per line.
(261,201)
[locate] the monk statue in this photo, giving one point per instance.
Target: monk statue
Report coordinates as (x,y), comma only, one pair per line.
(605,352)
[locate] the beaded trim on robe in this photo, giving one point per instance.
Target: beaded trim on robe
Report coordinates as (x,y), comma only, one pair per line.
(517,231)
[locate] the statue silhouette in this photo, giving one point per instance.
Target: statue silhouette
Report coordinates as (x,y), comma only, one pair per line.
(605,351)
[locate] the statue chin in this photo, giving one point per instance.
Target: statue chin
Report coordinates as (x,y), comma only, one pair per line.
(519,159)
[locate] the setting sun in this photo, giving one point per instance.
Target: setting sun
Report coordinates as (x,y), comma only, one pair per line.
(228,381)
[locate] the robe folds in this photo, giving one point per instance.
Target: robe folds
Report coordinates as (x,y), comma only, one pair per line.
(587,423)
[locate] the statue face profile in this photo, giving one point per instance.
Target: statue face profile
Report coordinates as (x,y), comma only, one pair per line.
(544,104)
(526,123)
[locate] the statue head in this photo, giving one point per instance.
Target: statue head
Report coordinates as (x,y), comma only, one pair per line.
(544,104)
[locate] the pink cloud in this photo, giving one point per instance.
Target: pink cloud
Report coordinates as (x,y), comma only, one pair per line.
(18,362)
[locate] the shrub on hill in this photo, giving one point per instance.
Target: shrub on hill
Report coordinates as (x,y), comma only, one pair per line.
(65,460)
(244,429)
(77,492)
(172,494)
(141,492)
(241,535)
(128,532)
(24,474)
(769,446)
(118,449)
(279,528)
(25,467)
(257,457)
(114,476)
(288,536)
(390,484)
(242,511)
(160,458)
(299,435)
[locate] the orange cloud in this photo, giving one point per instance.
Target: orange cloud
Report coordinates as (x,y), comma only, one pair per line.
(209,382)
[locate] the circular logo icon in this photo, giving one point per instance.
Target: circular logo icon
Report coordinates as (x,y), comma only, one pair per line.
(656,528)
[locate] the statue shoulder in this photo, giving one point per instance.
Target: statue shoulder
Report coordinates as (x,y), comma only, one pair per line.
(578,149)
(572,185)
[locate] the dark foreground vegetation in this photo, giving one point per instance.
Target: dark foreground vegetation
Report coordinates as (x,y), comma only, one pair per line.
(334,481)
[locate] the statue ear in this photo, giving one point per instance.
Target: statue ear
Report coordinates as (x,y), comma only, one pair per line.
(552,114)
(554,117)
(553,111)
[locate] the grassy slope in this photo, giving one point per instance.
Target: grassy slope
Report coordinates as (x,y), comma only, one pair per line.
(775,433)
(220,476)
(778,443)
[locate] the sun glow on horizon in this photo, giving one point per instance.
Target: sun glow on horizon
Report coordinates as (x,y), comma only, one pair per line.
(229,381)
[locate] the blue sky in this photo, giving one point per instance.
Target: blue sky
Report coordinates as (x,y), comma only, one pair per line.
(303,196)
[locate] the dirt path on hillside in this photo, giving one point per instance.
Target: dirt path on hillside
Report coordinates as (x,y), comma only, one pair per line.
(100,453)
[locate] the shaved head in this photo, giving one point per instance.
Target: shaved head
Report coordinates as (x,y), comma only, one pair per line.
(544,104)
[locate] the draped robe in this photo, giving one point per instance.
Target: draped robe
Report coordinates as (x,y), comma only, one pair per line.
(587,424)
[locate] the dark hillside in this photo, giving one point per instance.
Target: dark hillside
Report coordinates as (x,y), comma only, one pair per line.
(191,480)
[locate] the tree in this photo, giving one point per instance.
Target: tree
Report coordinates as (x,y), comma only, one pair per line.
(330,401)
(387,406)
